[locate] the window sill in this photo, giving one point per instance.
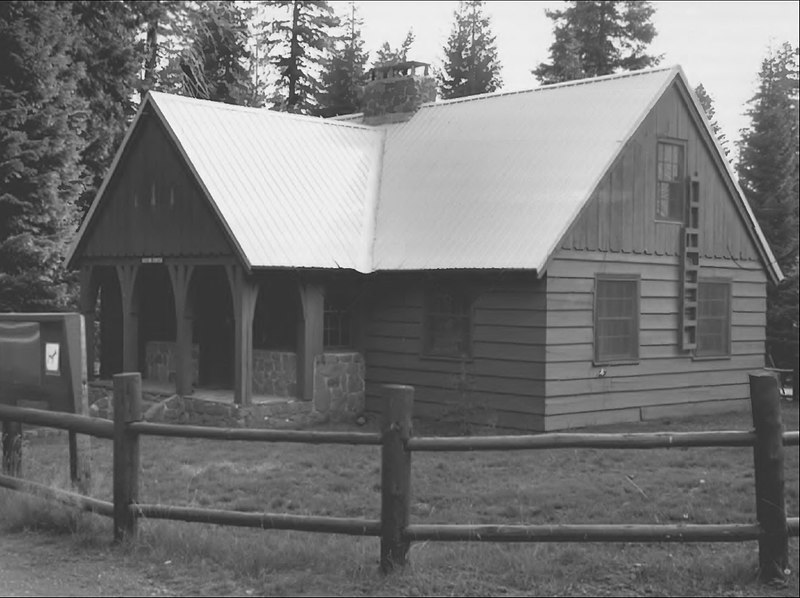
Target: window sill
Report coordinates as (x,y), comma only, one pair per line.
(711,357)
(616,362)
(451,358)
(667,221)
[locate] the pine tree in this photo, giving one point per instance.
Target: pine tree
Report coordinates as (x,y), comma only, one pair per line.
(42,119)
(471,65)
(213,67)
(343,73)
(387,55)
(594,38)
(707,102)
(298,43)
(106,46)
(769,171)
(165,27)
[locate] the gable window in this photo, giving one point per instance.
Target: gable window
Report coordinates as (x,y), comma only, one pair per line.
(713,318)
(670,182)
(616,319)
(337,322)
(447,322)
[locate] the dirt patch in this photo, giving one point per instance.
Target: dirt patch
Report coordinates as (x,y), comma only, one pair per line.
(37,564)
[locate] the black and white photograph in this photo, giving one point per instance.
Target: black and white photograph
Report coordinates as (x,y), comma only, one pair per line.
(394,298)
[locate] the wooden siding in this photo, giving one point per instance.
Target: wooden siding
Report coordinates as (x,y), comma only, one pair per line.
(620,215)
(502,384)
(153,206)
(665,377)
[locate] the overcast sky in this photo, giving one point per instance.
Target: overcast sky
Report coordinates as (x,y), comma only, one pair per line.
(719,44)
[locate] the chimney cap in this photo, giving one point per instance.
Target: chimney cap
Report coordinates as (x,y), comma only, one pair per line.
(397,69)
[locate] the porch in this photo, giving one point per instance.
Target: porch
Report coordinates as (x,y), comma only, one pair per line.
(212,331)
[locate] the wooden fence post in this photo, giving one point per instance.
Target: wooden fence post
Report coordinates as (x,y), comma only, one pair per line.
(395,475)
(12,448)
(773,545)
(127,408)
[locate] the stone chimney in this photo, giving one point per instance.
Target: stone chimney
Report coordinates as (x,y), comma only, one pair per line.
(395,91)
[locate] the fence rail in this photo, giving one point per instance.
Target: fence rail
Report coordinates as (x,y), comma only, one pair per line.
(772,529)
(729,532)
(249,434)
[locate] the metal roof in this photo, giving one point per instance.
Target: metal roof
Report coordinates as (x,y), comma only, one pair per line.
(494,181)
(294,191)
(485,182)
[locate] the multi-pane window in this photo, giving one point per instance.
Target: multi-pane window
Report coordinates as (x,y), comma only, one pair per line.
(670,182)
(713,318)
(447,326)
(616,319)
(337,322)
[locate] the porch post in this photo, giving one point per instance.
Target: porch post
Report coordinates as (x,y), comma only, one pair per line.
(244,293)
(130,316)
(310,336)
(86,304)
(181,276)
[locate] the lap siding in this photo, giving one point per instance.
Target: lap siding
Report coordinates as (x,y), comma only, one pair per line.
(502,383)
(664,377)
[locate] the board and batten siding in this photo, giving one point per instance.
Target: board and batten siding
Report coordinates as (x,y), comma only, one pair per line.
(666,381)
(501,385)
(153,205)
(620,216)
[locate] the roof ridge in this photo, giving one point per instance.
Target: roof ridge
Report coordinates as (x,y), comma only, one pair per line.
(571,83)
(255,110)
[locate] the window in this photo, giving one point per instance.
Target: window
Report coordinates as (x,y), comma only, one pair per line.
(337,322)
(713,318)
(670,182)
(447,324)
(616,319)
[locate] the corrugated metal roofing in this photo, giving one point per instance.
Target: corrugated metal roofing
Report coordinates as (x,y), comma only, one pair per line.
(494,182)
(294,191)
(491,181)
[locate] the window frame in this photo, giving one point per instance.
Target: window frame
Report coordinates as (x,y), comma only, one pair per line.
(337,304)
(727,351)
(465,296)
(636,353)
(682,178)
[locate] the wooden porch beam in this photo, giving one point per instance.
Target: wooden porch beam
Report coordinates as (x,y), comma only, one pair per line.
(89,285)
(181,276)
(310,336)
(244,293)
(130,316)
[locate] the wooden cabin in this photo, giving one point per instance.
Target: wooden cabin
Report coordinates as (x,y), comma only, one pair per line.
(572,255)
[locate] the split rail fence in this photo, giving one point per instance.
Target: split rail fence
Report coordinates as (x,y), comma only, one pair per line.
(771,529)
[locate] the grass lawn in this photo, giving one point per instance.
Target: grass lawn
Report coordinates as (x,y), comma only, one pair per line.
(534,487)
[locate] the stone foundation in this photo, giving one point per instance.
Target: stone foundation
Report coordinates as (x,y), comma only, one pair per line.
(338,388)
(159,359)
(159,406)
(339,384)
(274,373)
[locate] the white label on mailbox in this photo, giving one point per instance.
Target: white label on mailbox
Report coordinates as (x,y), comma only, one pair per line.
(51,358)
